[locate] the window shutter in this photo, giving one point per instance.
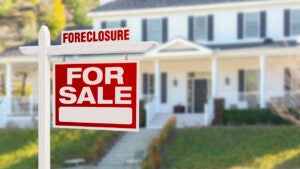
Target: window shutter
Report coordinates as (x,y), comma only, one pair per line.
(164,88)
(165,29)
(241,80)
(123,23)
(287,22)
(287,79)
(144,30)
(263,24)
(210,28)
(145,83)
(103,24)
(191,28)
(240,26)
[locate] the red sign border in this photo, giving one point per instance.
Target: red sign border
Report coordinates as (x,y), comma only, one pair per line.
(136,129)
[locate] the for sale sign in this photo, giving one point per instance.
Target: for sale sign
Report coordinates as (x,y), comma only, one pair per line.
(96,96)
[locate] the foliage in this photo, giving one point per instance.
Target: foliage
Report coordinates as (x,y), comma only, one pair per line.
(252,117)
(78,10)
(5,8)
(157,145)
(55,18)
(18,148)
(29,26)
(274,147)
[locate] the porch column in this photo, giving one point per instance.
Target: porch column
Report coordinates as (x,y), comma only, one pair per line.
(262,88)
(8,86)
(214,78)
(157,85)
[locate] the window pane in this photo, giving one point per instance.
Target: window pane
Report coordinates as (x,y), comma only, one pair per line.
(295,22)
(200,28)
(251,80)
(154,30)
(251,25)
(113,24)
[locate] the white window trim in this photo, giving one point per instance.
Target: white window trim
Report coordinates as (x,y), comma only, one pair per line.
(161,28)
(291,20)
(258,25)
(206,28)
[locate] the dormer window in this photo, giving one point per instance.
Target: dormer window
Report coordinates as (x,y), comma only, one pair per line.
(200,28)
(252,25)
(154,30)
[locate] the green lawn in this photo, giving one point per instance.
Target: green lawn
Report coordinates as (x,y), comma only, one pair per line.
(235,148)
(18,148)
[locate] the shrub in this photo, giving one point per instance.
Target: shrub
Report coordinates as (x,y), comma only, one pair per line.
(252,117)
(157,144)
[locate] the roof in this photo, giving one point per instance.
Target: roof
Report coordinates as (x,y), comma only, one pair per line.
(145,4)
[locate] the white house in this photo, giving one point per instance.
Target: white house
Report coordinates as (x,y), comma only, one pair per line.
(238,50)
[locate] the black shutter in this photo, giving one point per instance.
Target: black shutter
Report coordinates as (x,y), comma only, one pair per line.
(287,22)
(123,23)
(240,26)
(145,83)
(164,88)
(287,79)
(191,28)
(210,28)
(241,80)
(263,24)
(144,30)
(164,29)
(103,24)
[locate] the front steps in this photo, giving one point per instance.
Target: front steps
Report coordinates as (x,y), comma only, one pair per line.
(183,120)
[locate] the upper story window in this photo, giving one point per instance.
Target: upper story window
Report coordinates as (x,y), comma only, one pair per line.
(154,30)
(201,28)
(251,25)
(113,24)
(295,22)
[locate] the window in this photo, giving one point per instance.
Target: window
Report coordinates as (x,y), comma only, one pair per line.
(251,80)
(295,22)
(113,24)
(148,86)
(154,30)
(251,25)
(200,28)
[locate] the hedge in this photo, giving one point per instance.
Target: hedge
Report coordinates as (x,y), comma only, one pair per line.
(252,117)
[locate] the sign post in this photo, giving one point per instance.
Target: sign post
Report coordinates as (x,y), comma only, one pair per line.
(90,42)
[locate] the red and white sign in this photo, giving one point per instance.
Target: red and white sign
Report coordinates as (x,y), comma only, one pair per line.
(96,96)
(95,36)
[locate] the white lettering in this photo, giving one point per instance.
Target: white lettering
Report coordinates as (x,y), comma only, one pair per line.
(119,95)
(100,97)
(67,92)
(99,76)
(118,75)
(86,95)
(71,75)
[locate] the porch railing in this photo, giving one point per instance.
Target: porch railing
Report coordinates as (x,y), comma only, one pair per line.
(24,106)
(240,100)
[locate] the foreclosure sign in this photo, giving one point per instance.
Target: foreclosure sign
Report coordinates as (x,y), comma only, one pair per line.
(96,95)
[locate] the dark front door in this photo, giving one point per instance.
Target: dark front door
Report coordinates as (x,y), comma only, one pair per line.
(200,95)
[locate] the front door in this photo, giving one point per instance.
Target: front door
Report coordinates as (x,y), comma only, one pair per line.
(200,95)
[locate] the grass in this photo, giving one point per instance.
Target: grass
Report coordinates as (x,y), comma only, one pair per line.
(235,148)
(18,148)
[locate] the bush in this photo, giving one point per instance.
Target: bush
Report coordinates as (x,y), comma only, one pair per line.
(157,145)
(252,117)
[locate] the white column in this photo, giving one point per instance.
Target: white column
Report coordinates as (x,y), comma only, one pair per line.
(157,85)
(8,89)
(214,78)
(262,85)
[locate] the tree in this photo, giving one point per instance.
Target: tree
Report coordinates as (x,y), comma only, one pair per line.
(78,9)
(55,19)
(5,8)
(288,106)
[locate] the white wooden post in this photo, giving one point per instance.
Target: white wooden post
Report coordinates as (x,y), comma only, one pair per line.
(262,88)
(44,99)
(214,79)
(8,85)
(157,85)
(44,51)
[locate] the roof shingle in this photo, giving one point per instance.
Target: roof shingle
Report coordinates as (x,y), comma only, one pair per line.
(145,4)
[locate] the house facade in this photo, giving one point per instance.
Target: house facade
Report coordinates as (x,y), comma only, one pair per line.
(238,50)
